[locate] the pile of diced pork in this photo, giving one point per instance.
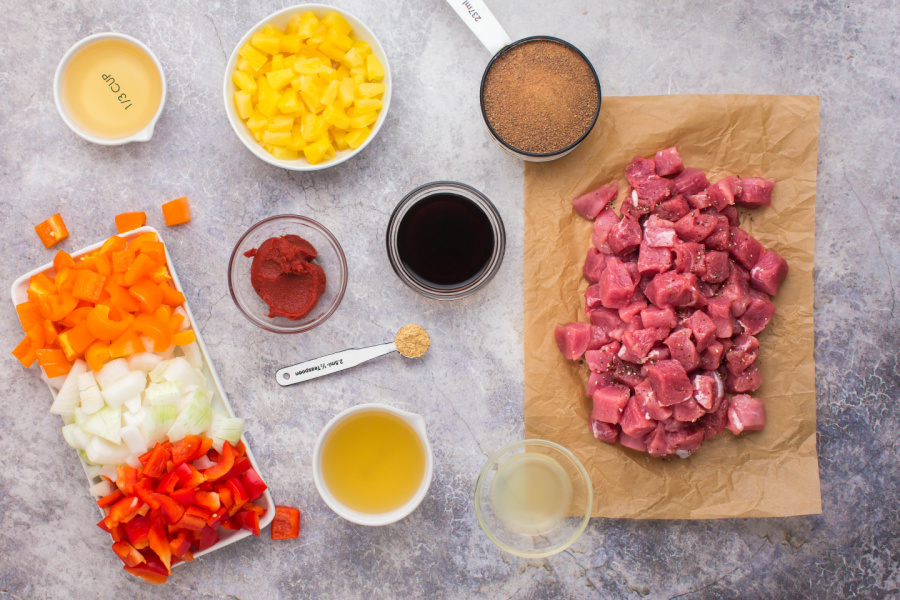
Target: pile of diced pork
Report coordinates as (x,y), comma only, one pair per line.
(678,293)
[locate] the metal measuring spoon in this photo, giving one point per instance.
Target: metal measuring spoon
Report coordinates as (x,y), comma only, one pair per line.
(411,341)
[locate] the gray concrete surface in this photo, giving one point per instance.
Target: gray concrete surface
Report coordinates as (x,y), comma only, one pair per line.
(469,386)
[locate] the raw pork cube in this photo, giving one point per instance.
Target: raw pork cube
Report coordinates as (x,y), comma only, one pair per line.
(702,328)
(633,423)
(602,225)
(639,444)
(598,381)
(653,260)
(746,414)
(641,341)
(685,441)
(760,311)
(658,352)
(640,169)
(711,358)
(742,354)
(599,338)
(672,209)
(608,320)
(609,402)
(748,381)
(673,289)
(690,258)
(652,191)
(656,442)
(573,339)
(687,411)
(736,289)
(589,205)
(670,382)
(668,162)
(755,192)
(659,233)
(699,201)
(690,181)
(705,390)
(723,192)
(627,373)
(720,238)
(682,349)
(592,298)
(661,318)
(600,361)
(604,431)
(717,267)
(616,284)
(594,264)
(731,213)
(745,248)
(714,422)
(633,206)
(769,272)
(625,236)
(633,309)
(647,402)
(695,226)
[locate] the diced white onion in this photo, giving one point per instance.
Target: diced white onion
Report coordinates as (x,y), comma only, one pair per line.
(102,452)
(106,423)
(102,488)
(134,439)
(133,404)
(75,436)
(165,393)
(193,355)
(67,398)
(144,361)
(159,420)
(195,417)
(91,398)
(112,371)
(125,388)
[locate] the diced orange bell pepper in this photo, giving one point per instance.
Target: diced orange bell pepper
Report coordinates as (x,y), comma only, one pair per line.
(136,241)
(52,231)
(164,314)
(50,332)
(24,352)
(63,259)
(41,285)
(76,316)
(76,340)
(88,285)
(53,362)
(184,338)
(121,260)
(65,279)
(147,293)
(159,275)
(120,298)
(56,307)
(130,220)
(29,315)
(102,325)
(103,265)
(127,344)
(175,322)
(151,327)
(139,269)
(152,248)
(97,355)
(171,296)
(113,244)
(176,211)
(36,335)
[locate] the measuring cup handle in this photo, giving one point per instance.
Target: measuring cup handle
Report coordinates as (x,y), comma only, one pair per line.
(482,22)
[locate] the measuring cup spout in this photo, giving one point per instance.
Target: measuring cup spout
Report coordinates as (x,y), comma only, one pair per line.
(479,18)
(416,421)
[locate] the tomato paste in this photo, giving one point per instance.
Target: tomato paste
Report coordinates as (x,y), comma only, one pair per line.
(285,277)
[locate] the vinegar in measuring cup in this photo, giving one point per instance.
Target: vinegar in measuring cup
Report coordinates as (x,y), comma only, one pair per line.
(111,89)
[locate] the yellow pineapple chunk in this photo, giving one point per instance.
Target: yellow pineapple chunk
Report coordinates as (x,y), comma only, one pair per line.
(243,104)
(285,154)
(340,140)
(313,127)
(345,92)
(330,50)
(362,47)
(337,23)
(336,117)
(309,23)
(243,65)
(257,121)
(317,37)
(280,123)
(279,79)
(277,138)
(364,120)
(244,80)
(258,135)
(370,90)
(307,66)
(318,151)
(352,58)
(365,105)
(330,93)
(293,25)
(277,62)
(256,58)
(290,44)
(267,97)
(270,29)
(341,41)
(268,44)
(289,102)
(356,137)
(374,68)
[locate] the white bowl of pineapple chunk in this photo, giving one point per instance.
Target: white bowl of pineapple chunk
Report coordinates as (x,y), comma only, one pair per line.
(307,87)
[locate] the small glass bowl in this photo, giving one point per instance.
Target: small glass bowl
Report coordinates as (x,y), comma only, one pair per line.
(330,257)
(548,542)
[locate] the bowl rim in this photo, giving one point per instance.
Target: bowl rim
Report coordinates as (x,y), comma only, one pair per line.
(373,519)
(301,164)
(338,298)
(144,134)
(556,549)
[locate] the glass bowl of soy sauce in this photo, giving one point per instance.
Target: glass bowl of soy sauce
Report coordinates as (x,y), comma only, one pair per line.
(446,240)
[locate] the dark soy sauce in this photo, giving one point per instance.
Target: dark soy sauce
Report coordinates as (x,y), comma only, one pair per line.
(445,241)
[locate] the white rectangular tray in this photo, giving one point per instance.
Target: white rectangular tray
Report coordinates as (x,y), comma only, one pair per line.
(220,400)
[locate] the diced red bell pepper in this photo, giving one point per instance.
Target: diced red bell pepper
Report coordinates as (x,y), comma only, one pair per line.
(208,500)
(184,497)
(241,465)
(171,509)
(248,520)
(159,543)
(238,493)
(223,465)
(143,489)
(123,511)
(225,496)
(194,518)
(208,538)
(254,484)
(255,508)
(240,449)
(180,544)
(189,476)
(167,483)
(155,464)
(151,571)
(126,477)
(111,498)
(117,533)
(185,450)
(286,524)
(231,524)
(129,555)
(217,518)
(137,531)
(205,445)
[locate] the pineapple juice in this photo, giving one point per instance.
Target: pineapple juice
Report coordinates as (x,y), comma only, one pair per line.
(111,89)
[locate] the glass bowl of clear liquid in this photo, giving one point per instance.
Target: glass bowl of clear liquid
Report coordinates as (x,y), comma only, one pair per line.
(533,498)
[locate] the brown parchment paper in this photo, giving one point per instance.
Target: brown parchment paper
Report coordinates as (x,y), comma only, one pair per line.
(767,474)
